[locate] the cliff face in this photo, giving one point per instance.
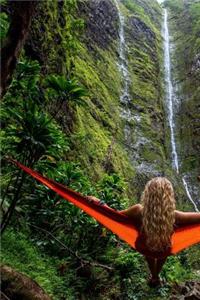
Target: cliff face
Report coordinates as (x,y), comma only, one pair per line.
(136,123)
(84,39)
(114,49)
(144,129)
(103,133)
(184,27)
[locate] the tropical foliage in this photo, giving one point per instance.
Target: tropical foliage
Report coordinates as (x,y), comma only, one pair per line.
(68,253)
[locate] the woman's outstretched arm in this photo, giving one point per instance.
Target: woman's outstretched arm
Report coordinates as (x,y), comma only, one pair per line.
(135,214)
(186,218)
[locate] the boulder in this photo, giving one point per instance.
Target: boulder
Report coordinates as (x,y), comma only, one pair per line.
(15,285)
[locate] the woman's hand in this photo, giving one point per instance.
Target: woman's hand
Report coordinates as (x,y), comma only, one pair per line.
(92,198)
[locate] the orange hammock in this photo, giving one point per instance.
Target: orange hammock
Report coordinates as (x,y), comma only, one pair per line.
(117,222)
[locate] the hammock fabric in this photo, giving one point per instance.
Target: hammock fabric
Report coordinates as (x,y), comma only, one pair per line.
(118,223)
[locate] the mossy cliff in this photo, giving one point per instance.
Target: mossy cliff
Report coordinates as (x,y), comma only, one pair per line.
(108,146)
(104,141)
(184,20)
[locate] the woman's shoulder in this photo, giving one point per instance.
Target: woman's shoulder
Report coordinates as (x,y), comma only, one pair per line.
(133,211)
(137,208)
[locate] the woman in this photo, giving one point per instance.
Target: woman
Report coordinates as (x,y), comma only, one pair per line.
(156,218)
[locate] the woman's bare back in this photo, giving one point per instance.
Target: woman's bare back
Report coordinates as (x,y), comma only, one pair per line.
(181,218)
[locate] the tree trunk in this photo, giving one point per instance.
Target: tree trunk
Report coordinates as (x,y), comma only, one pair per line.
(7,216)
(21,15)
(15,285)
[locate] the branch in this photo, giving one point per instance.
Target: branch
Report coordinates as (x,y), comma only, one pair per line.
(4,297)
(83,261)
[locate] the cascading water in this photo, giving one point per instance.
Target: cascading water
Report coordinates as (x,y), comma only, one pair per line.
(188,192)
(125,96)
(170,95)
(135,141)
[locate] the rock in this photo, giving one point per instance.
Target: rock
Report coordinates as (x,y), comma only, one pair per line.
(196,64)
(140,30)
(190,290)
(101,18)
(15,285)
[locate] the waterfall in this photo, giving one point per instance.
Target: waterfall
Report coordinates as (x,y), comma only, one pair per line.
(188,193)
(137,141)
(125,96)
(170,96)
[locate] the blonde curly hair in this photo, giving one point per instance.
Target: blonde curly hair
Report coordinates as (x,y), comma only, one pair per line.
(158,215)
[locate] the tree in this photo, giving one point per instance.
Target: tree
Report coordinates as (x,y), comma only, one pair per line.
(68,90)
(30,136)
(21,15)
(65,95)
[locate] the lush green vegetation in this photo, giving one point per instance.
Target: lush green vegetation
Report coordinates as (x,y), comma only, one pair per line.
(61,116)
(184,25)
(65,275)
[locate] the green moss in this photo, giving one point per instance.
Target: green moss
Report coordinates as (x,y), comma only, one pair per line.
(145,59)
(18,252)
(98,140)
(148,12)
(187,76)
(102,118)
(99,126)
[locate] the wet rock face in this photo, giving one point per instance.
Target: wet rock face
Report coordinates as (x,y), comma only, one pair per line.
(44,42)
(140,31)
(186,77)
(190,290)
(101,19)
(196,65)
(151,10)
(144,37)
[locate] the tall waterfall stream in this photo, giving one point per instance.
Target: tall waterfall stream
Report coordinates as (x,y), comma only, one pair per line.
(170,95)
(125,96)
